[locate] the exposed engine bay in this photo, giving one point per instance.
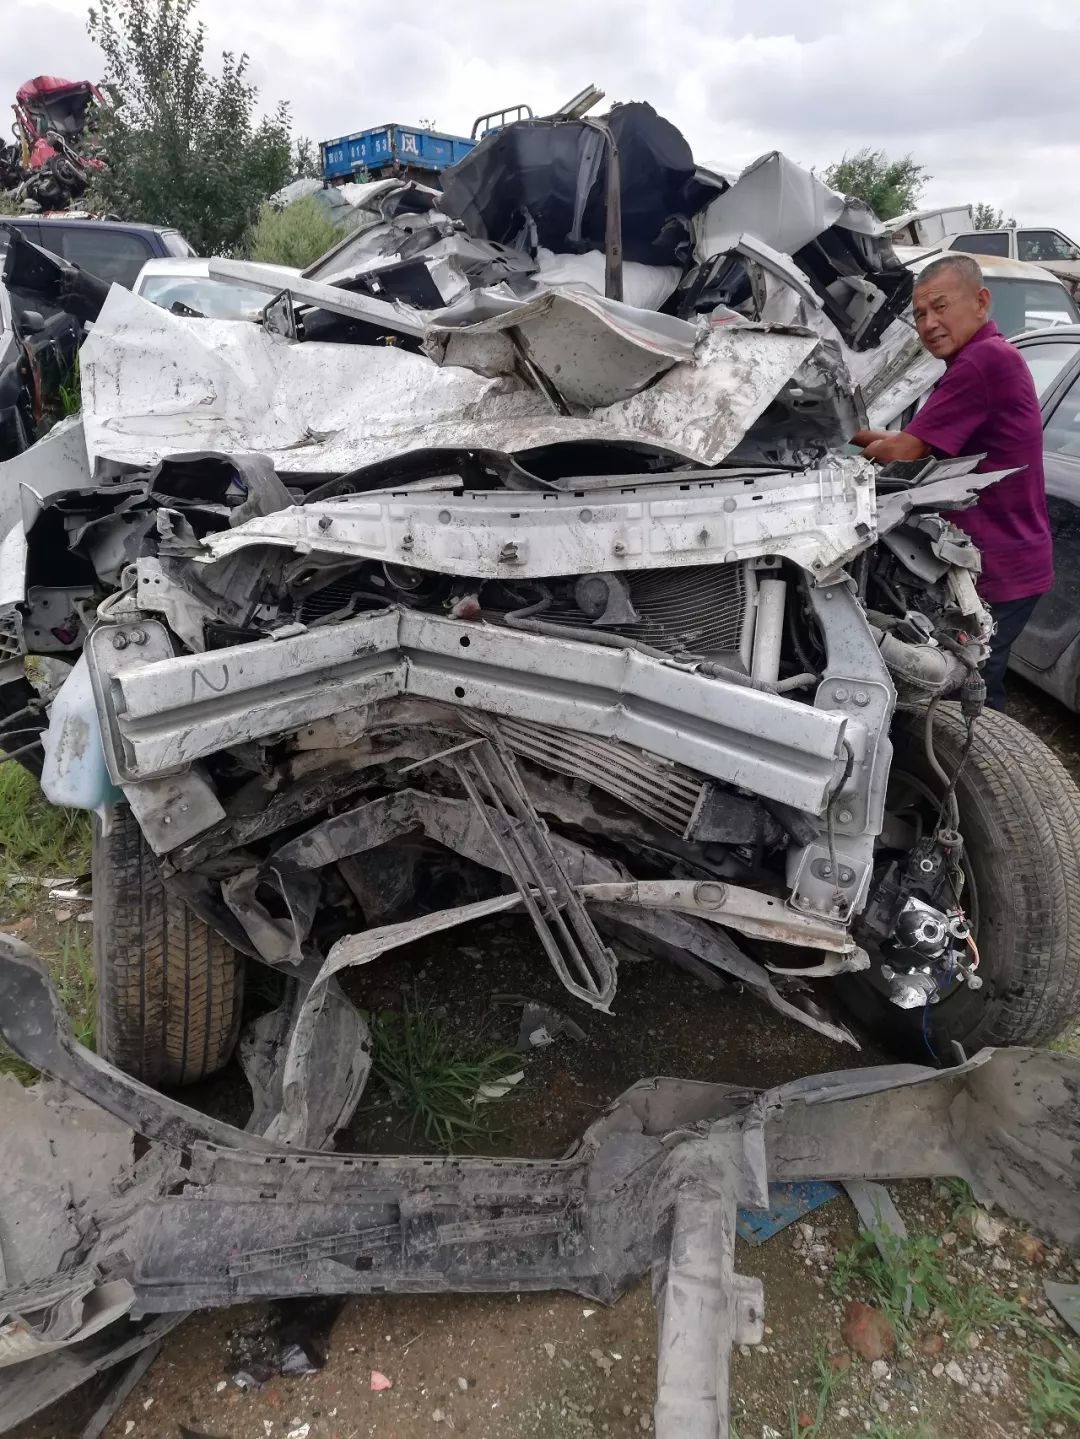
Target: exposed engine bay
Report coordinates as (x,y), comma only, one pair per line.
(668,747)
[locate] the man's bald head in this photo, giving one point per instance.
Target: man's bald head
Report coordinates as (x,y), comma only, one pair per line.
(966,267)
(950,304)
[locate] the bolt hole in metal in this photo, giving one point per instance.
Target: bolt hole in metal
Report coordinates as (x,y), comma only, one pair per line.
(912,801)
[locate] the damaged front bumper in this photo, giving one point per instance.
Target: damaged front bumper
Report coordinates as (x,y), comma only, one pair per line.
(210,1216)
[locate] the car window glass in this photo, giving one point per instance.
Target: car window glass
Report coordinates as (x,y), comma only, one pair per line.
(1039,245)
(1062,433)
(175,244)
(30,232)
(1019,305)
(1046,361)
(109,254)
(982,242)
(212,298)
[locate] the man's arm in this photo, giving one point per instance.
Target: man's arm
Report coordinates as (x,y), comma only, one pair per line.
(887,445)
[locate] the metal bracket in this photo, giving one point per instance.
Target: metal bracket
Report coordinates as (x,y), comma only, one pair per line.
(489,777)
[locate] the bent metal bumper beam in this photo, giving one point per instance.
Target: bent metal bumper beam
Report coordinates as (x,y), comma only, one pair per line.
(160,712)
(221,1218)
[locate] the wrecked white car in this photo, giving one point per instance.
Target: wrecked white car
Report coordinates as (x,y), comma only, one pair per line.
(517,558)
(458,562)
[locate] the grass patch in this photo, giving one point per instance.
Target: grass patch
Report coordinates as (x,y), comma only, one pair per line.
(1054,1387)
(35,836)
(883,1429)
(71,969)
(434,1079)
(910,1279)
(1068,1043)
(825,1380)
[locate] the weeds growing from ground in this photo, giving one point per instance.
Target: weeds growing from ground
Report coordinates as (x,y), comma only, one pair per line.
(826,1380)
(36,837)
(434,1079)
(910,1279)
(70,392)
(1054,1395)
(1068,1043)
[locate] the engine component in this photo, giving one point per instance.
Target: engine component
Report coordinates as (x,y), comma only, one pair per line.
(668,794)
(768,631)
(605,599)
(923,929)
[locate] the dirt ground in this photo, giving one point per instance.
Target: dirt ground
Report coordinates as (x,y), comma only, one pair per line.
(552,1365)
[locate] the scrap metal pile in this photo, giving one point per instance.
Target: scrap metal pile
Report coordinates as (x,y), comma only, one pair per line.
(55,149)
(517,551)
(457,559)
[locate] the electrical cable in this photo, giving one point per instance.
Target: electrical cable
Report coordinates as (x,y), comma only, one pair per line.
(926,1032)
(830,818)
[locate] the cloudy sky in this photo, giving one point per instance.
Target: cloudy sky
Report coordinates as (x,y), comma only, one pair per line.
(981,94)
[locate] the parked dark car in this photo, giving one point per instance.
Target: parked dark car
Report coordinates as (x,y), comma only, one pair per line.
(112,250)
(1048,651)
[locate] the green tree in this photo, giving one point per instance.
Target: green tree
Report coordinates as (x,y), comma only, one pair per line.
(185,147)
(987,218)
(889,187)
(307,164)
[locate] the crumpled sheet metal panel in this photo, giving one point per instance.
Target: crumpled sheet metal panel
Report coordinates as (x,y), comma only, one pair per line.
(162,715)
(594,351)
(87,1146)
(55,462)
(774,199)
(1007,1121)
(154,383)
(817,518)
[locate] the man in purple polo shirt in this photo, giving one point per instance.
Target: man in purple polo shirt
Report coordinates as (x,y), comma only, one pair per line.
(985,403)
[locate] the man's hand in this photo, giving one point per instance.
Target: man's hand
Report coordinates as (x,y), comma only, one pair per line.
(887,445)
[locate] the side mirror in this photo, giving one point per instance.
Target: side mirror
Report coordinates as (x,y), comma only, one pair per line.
(31,322)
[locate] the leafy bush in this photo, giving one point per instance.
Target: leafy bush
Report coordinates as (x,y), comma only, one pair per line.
(297,235)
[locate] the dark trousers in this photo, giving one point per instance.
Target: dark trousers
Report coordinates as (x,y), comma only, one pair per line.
(1010,618)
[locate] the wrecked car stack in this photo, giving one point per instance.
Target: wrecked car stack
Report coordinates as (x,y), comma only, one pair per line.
(520,541)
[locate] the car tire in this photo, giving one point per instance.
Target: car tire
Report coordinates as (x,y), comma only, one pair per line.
(1020,819)
(169,989)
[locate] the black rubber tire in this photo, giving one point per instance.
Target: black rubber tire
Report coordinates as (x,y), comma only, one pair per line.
(169,989)
(1020,819)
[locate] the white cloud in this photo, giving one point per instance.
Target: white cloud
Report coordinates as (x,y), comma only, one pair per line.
(983,96)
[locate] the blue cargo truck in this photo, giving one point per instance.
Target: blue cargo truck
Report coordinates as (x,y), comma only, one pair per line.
(391,147)
(406,149)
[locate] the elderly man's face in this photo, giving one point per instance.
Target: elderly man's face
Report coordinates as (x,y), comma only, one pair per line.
(948,310)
